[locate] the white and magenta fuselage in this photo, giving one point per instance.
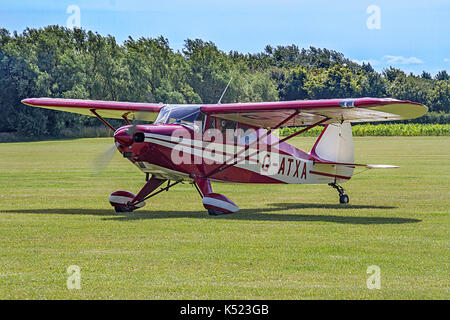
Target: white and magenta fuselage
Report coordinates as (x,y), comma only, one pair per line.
(182,152)
(217,150)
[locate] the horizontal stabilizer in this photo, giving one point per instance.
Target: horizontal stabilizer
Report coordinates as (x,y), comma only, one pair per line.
(381,166)
(368,166)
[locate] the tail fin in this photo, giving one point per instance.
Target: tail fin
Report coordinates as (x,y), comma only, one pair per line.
(335,145)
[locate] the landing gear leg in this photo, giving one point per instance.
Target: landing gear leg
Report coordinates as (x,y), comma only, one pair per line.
(149,186)
(343,197)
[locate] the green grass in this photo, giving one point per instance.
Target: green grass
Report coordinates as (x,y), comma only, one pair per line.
(288,241)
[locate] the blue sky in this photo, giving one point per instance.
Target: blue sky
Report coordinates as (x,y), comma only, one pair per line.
(412,35)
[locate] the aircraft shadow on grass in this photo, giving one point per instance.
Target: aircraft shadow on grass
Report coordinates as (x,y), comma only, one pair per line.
(257,214)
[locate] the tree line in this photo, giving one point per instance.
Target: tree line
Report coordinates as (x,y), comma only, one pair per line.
(58,62)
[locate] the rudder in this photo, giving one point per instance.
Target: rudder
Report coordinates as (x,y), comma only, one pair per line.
(335,144)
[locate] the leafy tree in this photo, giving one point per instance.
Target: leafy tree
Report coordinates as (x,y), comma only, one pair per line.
(294,88)
(442,75)
(439,97)
(337,81)
(210,70)
(57,62)
(426,75)
(367,67)
(393,73)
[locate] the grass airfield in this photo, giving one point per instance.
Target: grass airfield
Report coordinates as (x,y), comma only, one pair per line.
(287,242)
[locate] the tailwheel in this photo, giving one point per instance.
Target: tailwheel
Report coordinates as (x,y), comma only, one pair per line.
(343,197)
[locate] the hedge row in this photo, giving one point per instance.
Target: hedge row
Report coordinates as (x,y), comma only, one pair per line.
(391,129)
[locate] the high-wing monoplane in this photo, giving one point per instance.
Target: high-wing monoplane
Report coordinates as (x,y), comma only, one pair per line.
(235,142)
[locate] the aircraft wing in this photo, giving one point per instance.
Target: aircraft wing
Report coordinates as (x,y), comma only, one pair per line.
(106,109)
(270,114)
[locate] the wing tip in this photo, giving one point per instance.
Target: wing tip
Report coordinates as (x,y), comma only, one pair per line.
(27,101)
(34,102)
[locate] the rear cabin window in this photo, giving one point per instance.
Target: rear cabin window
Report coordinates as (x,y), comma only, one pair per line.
(246,135)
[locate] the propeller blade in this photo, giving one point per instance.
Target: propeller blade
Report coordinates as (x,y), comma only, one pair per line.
(102,160)
(138,117)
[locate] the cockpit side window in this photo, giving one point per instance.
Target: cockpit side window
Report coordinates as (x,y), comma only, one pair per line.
(223,125)
(211,122)
(185,115)
(162,116)
(228,129)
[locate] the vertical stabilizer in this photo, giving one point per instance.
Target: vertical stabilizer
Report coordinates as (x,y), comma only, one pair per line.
(335,144)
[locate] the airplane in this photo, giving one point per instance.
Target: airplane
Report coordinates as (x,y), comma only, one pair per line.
(235,142)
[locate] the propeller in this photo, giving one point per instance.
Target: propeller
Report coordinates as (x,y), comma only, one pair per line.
(102,160)
(138,117)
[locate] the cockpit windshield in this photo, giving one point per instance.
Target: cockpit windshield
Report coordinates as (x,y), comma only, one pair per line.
(186,115)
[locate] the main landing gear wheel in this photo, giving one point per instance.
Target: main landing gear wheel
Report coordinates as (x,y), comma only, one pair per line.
(123,209)
(343,197)
(214,212)
(218,204)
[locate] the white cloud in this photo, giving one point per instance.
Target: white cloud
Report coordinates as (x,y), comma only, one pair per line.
(401,60)
(446,60)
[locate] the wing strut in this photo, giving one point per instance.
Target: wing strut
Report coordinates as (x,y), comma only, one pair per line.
(301,131)
(106,123)
(152,185)
(125,117)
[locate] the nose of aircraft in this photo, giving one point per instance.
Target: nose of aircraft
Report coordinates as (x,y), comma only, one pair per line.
(123,137)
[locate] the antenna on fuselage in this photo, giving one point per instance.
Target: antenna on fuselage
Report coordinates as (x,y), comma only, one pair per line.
(223,93)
